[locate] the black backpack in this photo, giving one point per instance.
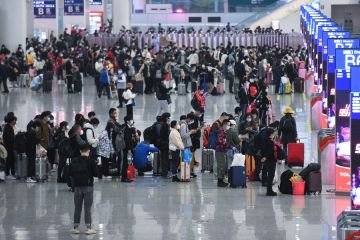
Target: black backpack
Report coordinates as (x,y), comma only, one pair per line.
(149,134)
(84,134)
(285,186)
(20,142)
(195,104)
(80,172)
(312,167)
(288,125)
(65,149)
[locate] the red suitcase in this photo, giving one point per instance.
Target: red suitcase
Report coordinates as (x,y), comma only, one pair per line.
(295,154)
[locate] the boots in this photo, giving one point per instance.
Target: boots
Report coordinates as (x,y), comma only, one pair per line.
(270,192)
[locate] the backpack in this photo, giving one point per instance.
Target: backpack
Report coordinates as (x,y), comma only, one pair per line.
(84,134)
(20,142)
(259,139)
(287,125)
(149,134)
(312,167)
(120,139)
(253,91)
(212,137)
(194,103)
(285,186)
(65,149)
(104,76)
(206,136)
(80,172)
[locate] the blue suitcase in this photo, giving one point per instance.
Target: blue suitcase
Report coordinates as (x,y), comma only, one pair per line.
(237,177)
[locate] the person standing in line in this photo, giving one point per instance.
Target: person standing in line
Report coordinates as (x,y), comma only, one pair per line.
(69,75)
(186,136)
(121,85)
(175,146)
(32,140)
(98,66)
(221,146)
(287,129)
(270,160)
(104,82)
(106,149)
(9,144)
(162,94)
(130,144)
(83,171)
(4,74)
(129,97)
(164,144)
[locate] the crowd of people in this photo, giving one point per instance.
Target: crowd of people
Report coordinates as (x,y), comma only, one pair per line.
(125,70)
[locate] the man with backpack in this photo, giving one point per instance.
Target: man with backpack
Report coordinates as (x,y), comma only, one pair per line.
(82,172)
(287,129)
(104,82)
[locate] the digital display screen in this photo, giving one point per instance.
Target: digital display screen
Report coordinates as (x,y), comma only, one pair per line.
(74,7)
(355,147)
(45,9)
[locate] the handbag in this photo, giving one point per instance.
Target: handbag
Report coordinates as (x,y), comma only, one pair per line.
(138,77)
(131,171)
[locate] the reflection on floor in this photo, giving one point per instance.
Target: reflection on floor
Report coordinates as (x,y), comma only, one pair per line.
(152,208)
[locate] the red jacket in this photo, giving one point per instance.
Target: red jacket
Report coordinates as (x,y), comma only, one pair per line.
(200,98)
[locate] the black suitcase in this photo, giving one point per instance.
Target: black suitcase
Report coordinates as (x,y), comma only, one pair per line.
(77,86)
(47,86)
(299,85)
(313,183)
(138,87)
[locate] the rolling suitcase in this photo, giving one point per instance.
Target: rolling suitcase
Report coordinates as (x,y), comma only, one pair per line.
(185,172)
(21,166)
(207,160)
(250,167)
(299,85)
(237,177)
(138,87)
(295,154)
(47,86)
(313,183)
(155,157)
(181,89)
(41,168)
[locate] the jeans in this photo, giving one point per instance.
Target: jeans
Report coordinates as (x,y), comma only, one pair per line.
(271,167)
(243,111)
(4,82)
(175,161)
(83,195)
(105,166)
(31,166)
(221,164)
(69,83)
(163,107)
(129,111)
(121,99)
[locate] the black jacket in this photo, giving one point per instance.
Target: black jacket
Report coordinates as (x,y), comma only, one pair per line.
(164,137)
(287,137)
(31,141)
(9,137)
(243,96)
(76,142)
(163,92)
(268,150)
(129,138)
(91,170)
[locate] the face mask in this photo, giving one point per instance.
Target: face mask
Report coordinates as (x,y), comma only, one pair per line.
(81,132)
(248,119)
(266,90)
(254,116)
(227,127)
(131,123)
(178,127)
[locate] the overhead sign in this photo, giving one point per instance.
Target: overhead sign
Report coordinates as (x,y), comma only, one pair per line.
(45,8)
(95,2)
(74,7)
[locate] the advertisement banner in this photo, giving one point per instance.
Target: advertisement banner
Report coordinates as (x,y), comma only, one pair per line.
(73,7)
(355,145)
(344,59)
(333,44)
(95,2)
(44,8)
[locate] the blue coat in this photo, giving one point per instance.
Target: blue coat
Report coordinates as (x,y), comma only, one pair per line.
(142,151)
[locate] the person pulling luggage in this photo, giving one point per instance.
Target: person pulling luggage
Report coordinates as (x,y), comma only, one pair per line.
(287,129)
(269,158)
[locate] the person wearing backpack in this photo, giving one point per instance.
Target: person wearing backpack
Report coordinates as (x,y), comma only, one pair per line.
(105,148)
(104,82)
(89,135)
(287,129)
(83,171)
(130,144)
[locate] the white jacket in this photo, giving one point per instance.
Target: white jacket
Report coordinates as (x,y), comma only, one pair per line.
(98,66)
(91,135)
(185,134)
(175,142)
(193,59)
(128,95)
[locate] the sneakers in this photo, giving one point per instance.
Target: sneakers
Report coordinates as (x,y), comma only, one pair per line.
(30,180)
(221,183)
(193,175)
(90,231)
(126,180)
(10,177)
(75,231)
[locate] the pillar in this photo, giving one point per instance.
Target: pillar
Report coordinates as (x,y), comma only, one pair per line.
(16,22)
(121,14)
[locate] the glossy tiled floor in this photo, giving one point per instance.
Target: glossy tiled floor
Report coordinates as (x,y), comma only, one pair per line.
(152,208)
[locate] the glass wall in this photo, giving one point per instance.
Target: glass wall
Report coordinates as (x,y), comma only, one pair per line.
(213,6)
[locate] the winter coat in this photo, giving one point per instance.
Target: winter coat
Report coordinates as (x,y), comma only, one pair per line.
(105,147)
(90,135)
(185,134)
(175,141)
(128,95)
(141,154)
(287,137)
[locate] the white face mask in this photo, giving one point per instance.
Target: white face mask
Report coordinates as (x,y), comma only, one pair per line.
(131,123)
(227,127)
(248,119)
(81,132)
(178,127)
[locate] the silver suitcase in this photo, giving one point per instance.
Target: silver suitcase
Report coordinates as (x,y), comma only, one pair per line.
(21,166)
(41,168)
(155,159)
(207,160)
(181,89)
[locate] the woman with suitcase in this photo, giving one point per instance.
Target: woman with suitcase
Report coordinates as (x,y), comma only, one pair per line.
(269,158)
